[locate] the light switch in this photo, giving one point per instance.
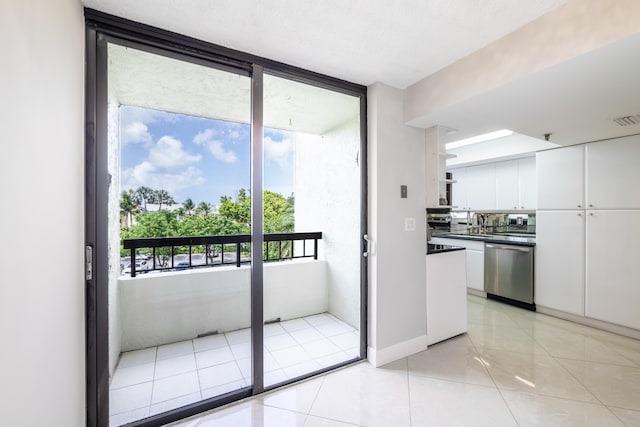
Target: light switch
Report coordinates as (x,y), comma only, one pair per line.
(403,191)
(409,224)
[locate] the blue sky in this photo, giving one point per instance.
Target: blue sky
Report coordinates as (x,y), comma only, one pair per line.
(198,158)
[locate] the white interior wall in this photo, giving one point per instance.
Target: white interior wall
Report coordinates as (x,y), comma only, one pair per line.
(42,363)
(397,279)
(327,191)
(572,29)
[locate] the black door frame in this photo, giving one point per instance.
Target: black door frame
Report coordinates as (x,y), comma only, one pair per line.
(100,30)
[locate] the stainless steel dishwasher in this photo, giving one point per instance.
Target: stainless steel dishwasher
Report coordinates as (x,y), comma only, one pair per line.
(508,274)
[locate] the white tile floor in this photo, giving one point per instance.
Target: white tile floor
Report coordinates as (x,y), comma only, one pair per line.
(513,368)
(154,380)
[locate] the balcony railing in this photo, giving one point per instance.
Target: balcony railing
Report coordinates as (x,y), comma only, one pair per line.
(161,253)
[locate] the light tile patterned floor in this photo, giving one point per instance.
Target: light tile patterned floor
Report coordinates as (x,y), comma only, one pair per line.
(157,379)
(513,368)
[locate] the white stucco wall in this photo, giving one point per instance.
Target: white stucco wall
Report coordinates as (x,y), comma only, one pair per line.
(164,308)
(42,362)
(115,330)
(327,190)
(397,269)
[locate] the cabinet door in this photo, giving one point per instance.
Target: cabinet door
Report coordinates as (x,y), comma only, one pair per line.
(560,178)
(459,188)
(507,185)
(481,187)
(559,260)
(475,269)
(527,187)
(613,174)
(612,282)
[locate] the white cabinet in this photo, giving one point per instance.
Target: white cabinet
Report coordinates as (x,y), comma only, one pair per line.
(559,260)
(612,281)
(560,178)
(475,269)
(507,197)
(459,188)
(446,296)
(613,174)
(481,187)
(475,259)
(527,184)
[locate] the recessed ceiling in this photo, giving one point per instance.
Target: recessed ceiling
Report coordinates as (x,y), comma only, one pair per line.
(362,41)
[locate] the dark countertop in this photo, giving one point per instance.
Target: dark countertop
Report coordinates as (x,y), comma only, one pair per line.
(433,248)
(490,238)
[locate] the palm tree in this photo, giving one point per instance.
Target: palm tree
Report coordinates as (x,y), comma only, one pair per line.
(188,206)
(162,197)
(128,206)
(203,209)
(144,195)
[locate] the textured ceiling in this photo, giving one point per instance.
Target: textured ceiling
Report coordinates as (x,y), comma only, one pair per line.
(362,41)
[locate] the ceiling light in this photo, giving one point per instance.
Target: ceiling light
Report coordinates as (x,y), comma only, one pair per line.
(480,138)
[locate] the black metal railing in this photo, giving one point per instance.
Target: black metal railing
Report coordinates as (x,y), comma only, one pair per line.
(182,253)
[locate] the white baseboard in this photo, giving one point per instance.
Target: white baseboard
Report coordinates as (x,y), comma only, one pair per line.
(397,351)
(587,321)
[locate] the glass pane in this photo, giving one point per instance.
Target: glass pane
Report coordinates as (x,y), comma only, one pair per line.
(312,192)
(179,305)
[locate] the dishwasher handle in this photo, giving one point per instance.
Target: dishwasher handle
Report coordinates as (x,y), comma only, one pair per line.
(508,247)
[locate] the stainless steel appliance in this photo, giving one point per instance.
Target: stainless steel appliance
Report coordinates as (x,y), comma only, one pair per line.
(439,219)
(508,274)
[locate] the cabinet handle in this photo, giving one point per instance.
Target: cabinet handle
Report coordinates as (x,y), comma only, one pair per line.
(590,205)
(579,206)
(521,207)
(579,214)
(590,213)
(515,207)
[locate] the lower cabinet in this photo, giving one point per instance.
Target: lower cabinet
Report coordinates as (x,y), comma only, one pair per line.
(475,259)
(613,257)
(586,263)
(559,260)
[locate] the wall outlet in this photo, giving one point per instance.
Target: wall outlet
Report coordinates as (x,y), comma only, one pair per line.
(409,224)
(403,191)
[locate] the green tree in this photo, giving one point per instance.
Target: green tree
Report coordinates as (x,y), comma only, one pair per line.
(188,206)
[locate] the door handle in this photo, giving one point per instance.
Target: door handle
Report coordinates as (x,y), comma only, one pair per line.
(367,245)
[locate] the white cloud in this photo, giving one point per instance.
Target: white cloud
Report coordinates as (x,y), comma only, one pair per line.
(136,132)
(167,166)
(167,153)
(146,174)
(278,151)
(215,147)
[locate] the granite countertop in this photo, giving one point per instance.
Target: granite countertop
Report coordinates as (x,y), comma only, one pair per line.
(433,248)
(491,238)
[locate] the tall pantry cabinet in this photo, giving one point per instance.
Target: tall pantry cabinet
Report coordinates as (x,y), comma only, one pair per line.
(588,224)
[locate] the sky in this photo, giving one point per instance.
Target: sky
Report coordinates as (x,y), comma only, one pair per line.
(198,158)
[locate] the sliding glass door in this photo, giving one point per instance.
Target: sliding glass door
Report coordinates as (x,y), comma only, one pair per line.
(225,213)
(179,157)
(311,190)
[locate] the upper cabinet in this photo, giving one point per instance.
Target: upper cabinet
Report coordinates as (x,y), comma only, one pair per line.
(507,185)
(481,187)
(560,178)
(527,184)
(516,184)
(613,174)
